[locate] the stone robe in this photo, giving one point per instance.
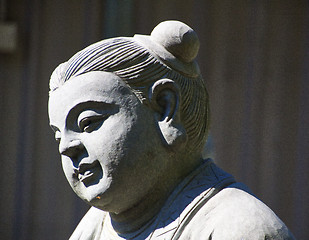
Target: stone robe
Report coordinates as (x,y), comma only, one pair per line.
(207,204)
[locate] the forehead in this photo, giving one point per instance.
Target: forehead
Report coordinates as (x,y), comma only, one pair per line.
(93,86)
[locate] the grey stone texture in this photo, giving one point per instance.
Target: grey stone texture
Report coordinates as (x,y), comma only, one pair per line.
(132,117)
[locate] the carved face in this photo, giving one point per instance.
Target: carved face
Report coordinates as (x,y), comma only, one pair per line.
(111,151)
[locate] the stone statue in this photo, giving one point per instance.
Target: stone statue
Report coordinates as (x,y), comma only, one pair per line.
(131,117)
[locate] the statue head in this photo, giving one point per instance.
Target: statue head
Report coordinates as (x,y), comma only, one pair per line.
(127,108)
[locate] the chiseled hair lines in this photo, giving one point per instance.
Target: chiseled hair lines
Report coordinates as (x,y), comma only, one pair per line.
(139,69)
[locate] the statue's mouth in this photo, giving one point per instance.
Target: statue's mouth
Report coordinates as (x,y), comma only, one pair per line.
(89,173)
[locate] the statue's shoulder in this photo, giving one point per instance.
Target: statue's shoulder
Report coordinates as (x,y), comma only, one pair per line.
(234,213)
(90,226)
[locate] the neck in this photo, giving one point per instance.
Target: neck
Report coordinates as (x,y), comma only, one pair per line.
(141,215)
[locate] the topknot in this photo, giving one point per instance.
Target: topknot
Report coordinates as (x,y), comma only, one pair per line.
(175,44)
(177,38)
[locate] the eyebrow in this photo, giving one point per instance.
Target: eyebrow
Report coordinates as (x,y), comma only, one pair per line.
(85,105)
(54,128)
(76,110)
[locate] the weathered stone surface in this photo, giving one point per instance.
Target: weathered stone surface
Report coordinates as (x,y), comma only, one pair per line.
(131,118)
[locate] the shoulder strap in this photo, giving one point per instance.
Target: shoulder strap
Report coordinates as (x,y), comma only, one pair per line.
(199,204)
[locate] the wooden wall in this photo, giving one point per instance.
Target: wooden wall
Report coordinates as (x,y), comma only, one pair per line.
(254,57)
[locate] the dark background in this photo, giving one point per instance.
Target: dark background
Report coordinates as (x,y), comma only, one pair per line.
(254,57)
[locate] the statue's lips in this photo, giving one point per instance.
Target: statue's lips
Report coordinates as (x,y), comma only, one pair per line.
(87,172)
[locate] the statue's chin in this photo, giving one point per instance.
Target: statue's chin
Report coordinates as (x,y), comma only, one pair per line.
(95,194)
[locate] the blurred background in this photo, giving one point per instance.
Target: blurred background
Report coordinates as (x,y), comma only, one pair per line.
(254,57)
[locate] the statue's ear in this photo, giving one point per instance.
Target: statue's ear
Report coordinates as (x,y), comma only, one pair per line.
(164,97)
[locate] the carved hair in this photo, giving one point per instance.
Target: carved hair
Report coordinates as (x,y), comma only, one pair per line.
(139,69)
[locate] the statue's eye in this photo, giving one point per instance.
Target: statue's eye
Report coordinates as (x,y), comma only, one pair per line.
(57,136)
(57,133)
(88,124)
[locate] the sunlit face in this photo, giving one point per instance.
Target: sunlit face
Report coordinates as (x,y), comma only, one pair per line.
(111,150)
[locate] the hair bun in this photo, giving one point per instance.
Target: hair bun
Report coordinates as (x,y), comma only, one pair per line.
(177,38)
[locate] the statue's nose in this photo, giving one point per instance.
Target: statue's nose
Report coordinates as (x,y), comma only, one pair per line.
(70,148)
